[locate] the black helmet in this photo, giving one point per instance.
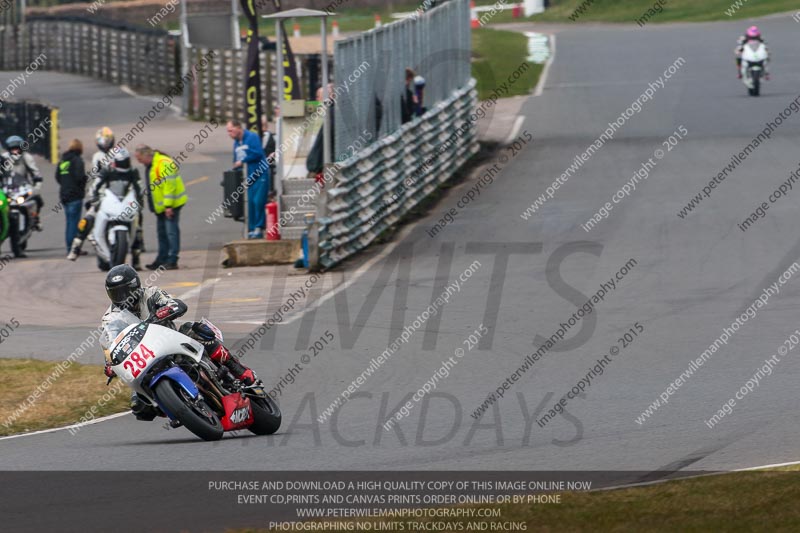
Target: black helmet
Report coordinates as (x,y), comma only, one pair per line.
(123,286)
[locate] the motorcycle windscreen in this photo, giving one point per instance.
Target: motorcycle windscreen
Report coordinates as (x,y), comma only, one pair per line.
(238,413)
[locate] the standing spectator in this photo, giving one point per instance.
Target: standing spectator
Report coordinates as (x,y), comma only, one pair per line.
(419,96)
(268,142)
(247,149)
(315,161)
(166,196)
(71,178)
(407,101)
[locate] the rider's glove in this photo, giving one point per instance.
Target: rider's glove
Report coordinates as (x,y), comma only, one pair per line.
(109,372)
(166,311)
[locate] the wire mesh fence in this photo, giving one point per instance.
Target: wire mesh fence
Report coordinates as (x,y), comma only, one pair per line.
(435,44)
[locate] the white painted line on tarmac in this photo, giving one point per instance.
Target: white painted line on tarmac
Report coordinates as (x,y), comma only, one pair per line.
(776,465)
(515,129)
(546,71)
(356,275)
(79,425)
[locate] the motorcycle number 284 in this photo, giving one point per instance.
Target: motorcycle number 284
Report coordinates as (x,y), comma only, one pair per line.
(140,360)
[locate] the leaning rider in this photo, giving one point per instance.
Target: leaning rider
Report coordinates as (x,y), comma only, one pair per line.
(125,291)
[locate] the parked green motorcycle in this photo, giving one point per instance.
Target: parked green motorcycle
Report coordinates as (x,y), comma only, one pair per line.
(3,216)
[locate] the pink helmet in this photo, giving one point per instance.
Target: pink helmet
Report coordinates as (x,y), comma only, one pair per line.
(753,32)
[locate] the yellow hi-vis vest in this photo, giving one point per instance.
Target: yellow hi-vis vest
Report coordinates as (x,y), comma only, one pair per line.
(166,185)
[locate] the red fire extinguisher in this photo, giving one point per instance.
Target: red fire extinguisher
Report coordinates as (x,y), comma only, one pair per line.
(273,228)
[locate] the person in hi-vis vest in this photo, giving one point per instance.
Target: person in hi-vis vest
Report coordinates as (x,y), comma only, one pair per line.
(166,196)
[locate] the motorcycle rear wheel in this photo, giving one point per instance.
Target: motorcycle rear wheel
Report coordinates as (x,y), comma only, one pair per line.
(266,416)
(197,417)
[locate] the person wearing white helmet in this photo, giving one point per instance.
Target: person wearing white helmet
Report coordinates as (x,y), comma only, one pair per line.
(104,139)
(120,175)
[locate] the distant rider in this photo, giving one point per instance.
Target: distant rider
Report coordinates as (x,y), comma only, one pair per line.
(752,34)
(115,166)
(23,167)
(119,177)
(124,289)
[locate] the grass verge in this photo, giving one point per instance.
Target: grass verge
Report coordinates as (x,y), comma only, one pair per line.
(672,10)
(76,391)
(498,54)
(738,501)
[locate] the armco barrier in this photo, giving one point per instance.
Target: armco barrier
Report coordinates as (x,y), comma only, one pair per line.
(380,184)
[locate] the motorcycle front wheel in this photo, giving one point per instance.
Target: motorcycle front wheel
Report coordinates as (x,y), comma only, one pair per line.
(120,249)
(266,416)
(195,415)
(13,235)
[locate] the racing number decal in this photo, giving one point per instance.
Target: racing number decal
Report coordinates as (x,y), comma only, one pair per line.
(139,359)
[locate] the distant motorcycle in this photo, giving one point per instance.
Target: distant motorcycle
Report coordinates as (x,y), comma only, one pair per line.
(172,373)
(754,58)
(115,226)
(21,198)
(4,208)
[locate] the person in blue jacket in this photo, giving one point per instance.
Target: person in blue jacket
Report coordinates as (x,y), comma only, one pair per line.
(247,149)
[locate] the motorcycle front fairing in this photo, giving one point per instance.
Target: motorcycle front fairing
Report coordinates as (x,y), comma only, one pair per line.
(115,213)
(142,354)
(754,57)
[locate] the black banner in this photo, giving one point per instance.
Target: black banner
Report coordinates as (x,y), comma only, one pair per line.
(33,122)
(291,82)
(253,74)
(209,502)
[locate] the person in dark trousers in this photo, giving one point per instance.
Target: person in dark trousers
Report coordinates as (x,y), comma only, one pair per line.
(408,100)
(419,96)
(166,197)
(268,142)
(71,178)
(247,150)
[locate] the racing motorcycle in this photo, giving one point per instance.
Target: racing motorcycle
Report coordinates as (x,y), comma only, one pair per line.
(171,372)
(115,225)
(754,58)
(3,216)
(21,199)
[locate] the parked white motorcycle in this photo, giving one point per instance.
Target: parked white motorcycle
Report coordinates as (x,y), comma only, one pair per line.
(171,372)
(115,226)
(754,64)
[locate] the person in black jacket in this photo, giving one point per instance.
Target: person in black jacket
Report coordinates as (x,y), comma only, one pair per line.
(268,141)
(408,101)
(71,177)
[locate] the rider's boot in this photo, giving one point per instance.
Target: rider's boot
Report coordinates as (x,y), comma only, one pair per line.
(222,356)
(75,249)
(136,261)
(142,410)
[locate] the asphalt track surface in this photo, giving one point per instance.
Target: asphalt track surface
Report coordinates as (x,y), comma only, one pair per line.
(693,277)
